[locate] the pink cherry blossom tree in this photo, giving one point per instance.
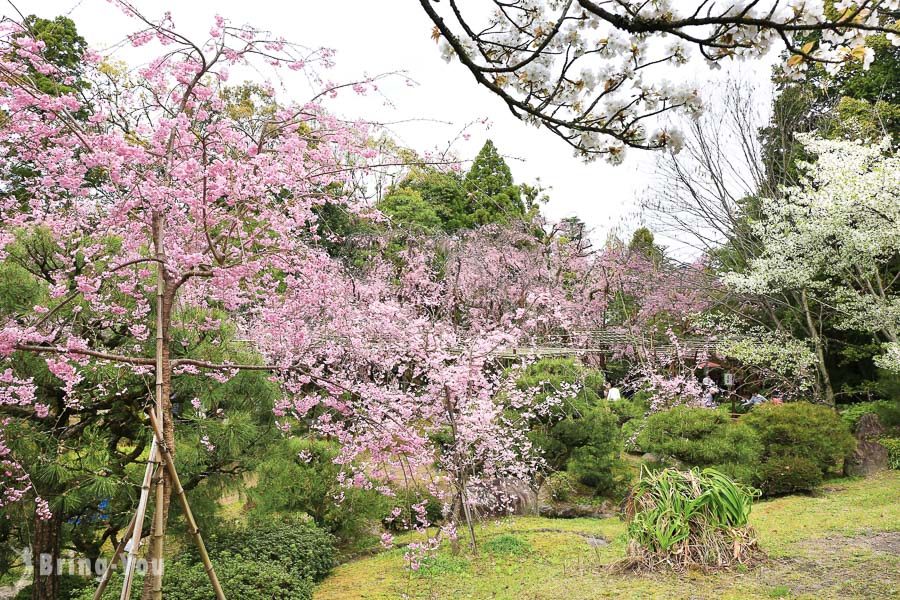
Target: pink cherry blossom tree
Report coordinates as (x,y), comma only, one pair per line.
(157,197)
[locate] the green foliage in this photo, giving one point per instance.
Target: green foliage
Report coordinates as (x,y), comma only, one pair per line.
(71,587)
(691,516)
(430,200)
(629,409)
(242,576)
(595,444)
(803,429)
(246,577)
(787,474)
(888,412)
(802,442)
(506,545)
(303,550)
(643,242)
(407,208)
(559,486)
(582,436)
(64,49)
(700,437)
(892,445)
(491,196)
(19,290)
(405,499)
(300,476)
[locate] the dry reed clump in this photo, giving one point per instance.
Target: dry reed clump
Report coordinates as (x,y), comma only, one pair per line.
(689,520)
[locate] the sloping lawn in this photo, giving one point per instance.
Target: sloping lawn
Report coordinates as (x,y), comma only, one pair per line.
(842,543)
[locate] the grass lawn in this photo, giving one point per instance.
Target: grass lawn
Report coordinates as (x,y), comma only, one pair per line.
(842,543)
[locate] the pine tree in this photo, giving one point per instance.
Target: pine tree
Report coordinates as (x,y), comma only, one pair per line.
(491,195)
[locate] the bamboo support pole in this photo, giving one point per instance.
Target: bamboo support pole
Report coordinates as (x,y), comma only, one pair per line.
(107,573)
(139,522)
(159,522)
(189,516)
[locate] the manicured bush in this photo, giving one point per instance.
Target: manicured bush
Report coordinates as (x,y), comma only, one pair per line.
(628,409)
(812,431)
(683,519)
(702,437)
(794,431)
(300,548)
(249,577)
(582,437)
(240,577)
(595,445)
(786,474)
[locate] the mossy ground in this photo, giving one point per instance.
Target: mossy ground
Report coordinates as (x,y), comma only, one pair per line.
(843,542)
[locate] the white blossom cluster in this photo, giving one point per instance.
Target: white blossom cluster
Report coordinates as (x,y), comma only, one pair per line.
(836,237)
(599,73)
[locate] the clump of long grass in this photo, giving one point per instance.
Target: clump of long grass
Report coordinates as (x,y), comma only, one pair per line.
(689,519)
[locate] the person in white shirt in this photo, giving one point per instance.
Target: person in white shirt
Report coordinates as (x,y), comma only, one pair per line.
(612,393)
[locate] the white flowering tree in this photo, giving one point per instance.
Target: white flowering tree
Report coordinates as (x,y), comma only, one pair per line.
(597,72)
(834,240)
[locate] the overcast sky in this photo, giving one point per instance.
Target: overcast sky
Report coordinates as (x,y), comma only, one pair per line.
(377,36)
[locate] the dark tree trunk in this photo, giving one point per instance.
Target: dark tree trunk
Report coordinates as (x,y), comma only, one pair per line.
(45,547)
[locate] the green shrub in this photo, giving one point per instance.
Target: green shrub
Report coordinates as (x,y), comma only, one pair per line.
(405,499)
(560,486)
(582,437)
(595,446)
(70,587)
(629,409)
(700,437)
(787,474)
(300,548)
(893,448)
(689,518)
(796,436)
(888,412)
(812,431)
(300,476)
(240,577)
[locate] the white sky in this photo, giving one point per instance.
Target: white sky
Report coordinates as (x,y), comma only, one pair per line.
(376,36)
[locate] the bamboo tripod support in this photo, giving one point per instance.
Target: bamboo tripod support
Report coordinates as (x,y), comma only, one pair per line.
(157,450)
(120,548)
(186,507)
(130,560)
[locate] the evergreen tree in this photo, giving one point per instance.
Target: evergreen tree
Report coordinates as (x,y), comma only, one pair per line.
(491,195)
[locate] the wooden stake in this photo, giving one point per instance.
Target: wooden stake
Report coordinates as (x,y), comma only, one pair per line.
(159,522)
(104,580)
(189,516)
(139,522)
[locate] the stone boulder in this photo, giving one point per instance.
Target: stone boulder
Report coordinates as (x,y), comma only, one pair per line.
(869,456)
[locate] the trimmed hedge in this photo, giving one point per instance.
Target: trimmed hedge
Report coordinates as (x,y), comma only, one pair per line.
(702,437)
(240,577)
(801,444)
(301,548)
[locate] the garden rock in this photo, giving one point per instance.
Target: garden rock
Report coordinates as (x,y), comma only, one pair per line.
(869,456)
